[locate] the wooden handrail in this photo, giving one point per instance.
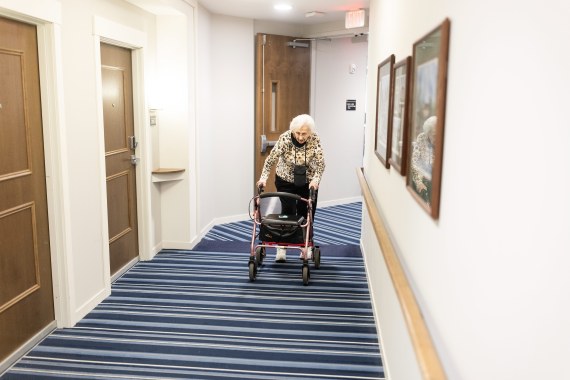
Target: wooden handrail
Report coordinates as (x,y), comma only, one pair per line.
(426,354)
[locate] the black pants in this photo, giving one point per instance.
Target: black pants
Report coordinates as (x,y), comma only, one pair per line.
(291,206)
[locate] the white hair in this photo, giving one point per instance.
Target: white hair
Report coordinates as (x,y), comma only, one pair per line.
(429,124)
(302,121)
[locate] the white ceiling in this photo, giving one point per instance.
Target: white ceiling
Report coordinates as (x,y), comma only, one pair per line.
(334,10)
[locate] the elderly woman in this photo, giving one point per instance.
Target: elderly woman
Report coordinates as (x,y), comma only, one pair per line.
(296,151)
(422,159)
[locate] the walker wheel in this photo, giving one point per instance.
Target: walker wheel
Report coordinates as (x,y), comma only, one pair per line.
(317,257)
(252,270)
(306,274)
(259,255)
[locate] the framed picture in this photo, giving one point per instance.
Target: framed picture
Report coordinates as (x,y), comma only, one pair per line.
(384,99)
(400,115)
(427,116)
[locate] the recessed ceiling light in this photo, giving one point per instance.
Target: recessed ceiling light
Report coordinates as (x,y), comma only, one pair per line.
(282,7)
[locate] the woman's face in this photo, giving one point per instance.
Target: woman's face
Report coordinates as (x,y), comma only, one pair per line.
(302,134)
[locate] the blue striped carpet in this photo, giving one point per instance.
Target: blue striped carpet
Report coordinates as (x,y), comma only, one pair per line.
(195,315)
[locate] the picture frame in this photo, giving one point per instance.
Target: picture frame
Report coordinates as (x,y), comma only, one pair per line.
(427,117)
(400,115)
(383,138)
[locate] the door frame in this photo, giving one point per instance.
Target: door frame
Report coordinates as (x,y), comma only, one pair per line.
(112,33)
(46,16)
(47,19)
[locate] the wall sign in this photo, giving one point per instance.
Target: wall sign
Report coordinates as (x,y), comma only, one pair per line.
(351,104)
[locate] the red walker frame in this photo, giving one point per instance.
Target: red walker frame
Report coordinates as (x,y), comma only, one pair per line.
(257,251)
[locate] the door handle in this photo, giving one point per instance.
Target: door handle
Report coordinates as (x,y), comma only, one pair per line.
(134,160)
(266,143)
(133,143)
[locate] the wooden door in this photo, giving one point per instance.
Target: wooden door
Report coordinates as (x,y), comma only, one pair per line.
(26,292)
(116,74)
(283,75)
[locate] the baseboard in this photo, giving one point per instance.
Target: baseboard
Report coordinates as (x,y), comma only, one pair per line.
(157,248)
(178,245)
(338,202)
(229,219)
(223,220)
(23,349)
(88,306)
(124,269)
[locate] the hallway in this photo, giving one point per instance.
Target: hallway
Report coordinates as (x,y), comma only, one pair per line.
(194,314)
(487,278)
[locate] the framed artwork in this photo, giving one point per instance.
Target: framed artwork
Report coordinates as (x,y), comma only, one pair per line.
(384,100)
(400,115)
(427,116)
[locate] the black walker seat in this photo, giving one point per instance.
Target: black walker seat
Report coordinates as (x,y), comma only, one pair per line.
(282,230)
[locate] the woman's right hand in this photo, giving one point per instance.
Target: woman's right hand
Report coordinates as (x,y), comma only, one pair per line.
(261,184)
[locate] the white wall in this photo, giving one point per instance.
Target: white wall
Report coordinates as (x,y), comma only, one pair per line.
(341,131)
(278,28)
(89,273)
(176,127)
(490,274)
(226,113)
(205,104)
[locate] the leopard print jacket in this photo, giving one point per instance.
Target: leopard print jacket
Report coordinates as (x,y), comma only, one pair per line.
(422,159)
(287,155)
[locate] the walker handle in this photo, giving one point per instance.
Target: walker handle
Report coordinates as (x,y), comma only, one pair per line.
(281,194)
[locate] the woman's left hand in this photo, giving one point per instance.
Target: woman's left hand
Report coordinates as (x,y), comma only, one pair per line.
(314,185)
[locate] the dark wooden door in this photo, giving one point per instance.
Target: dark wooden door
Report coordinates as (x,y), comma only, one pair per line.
(283,85)
(26,292)
(116,73)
